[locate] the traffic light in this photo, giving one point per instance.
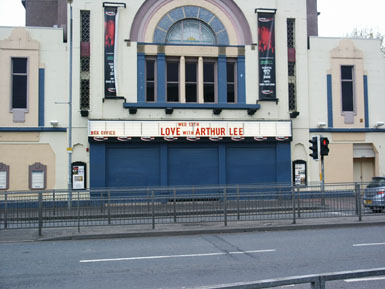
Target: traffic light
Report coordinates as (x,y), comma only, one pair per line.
(324,144)
(314,147)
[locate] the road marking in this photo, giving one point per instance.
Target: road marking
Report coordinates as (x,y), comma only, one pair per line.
(369,244)
(364,279)
(177,256)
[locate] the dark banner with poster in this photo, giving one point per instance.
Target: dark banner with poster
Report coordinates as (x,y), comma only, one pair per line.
(110,33)
(266,59)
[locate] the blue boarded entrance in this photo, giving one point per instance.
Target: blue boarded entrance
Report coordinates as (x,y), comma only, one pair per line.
(141,164)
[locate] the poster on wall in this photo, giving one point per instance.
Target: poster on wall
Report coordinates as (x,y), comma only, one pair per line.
(266,59)
(110,36)
(78,176)
(299,170)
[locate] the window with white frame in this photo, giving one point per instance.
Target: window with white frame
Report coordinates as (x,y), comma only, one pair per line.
(231,81)
(209,80)
(150,80)
(19,83)
(347,88)
(191,79)
(172,80)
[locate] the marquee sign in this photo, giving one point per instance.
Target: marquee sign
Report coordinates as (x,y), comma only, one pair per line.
(189,129)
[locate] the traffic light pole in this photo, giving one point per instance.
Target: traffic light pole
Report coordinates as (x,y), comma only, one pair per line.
(322,181)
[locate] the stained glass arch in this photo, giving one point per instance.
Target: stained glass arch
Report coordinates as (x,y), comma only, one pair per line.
(191,31)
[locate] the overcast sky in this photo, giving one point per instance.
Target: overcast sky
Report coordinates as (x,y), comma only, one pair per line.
(337,18)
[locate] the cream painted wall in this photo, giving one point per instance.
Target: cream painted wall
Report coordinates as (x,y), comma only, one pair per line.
(365,54)
(20,156)
(45,49)
(339,163)
(18,44)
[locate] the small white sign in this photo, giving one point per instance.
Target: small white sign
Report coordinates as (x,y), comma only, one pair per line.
(3,180)
(38,180)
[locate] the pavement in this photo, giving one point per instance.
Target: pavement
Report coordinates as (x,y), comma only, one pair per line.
(175,229)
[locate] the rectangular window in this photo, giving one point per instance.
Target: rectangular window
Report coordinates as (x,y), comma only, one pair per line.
(347,88)
(191,81)
(231,84)
(172,80)
(209,81)
(19,83)
(150,80)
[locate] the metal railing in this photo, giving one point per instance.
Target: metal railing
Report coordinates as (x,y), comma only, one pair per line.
(315,281)
(163,205)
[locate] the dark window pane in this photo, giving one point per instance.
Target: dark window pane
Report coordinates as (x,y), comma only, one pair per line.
(230,93)
(191,72)
(172,71)
(346,72)
(173,92)
(19,65)
(150,70)
(208,72)
(19,91)
(191,92)
(209,93)
(150,91)
(347,96)
(230,71)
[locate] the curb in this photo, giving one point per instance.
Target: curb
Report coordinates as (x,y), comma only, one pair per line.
(209,231)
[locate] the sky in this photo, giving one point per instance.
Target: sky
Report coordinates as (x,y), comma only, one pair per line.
(337,19)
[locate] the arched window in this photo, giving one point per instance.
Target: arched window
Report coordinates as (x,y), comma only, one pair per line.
(191,31)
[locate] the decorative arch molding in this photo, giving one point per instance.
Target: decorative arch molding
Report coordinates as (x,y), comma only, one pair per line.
(225,12)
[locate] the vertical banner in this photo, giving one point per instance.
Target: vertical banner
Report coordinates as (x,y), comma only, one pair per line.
(266,59)
(110,36)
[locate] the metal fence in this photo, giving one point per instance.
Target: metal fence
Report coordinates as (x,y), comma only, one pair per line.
(315,281)
(162,205)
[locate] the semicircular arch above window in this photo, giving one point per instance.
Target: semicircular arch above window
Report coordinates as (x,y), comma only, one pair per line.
(191,25)
(191,31)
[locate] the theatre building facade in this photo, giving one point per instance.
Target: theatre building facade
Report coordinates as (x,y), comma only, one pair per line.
(187,92)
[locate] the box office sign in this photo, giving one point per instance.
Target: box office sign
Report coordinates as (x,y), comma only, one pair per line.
(189,129)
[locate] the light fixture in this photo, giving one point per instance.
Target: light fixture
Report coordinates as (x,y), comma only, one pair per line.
(54,122)
(321,124)
(379,123)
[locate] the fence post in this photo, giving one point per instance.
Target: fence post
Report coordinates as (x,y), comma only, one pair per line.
(293,204)
(109,207)
(238,213)
(174,205)
(153,208)
(225,205)
(358,201)
(318,283)
(40,197)
(299,202)
(78,212)
(54,202)
(5,210)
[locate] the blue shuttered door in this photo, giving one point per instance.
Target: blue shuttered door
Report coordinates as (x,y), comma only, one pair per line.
(133,166)
(250,164)
(193,165)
